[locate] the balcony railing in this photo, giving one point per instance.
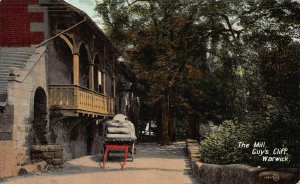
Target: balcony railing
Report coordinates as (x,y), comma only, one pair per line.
(74,100)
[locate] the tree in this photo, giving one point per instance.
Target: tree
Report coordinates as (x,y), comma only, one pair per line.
(265,69)
(160,39)
(208,60)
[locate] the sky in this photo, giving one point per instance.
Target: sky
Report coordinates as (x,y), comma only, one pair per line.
(88,7)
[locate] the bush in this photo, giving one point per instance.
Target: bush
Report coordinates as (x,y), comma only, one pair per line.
(273,127)
(222,146)
(216,148)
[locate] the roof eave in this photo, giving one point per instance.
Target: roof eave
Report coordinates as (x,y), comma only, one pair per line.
(82,13)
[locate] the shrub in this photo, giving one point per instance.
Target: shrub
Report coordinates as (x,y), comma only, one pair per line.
(273,127)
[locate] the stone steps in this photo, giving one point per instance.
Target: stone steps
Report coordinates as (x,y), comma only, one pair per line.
(192,150)
(9,60)
(12,57)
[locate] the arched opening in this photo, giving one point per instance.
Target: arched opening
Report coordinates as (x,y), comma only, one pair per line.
(40,121)
(83,67)
(98,75)
(61,67)
(108,83)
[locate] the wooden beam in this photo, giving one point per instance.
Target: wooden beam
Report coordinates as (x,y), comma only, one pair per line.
(76,69)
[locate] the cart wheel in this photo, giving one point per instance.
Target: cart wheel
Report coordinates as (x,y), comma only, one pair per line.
(100,157)
(132,151)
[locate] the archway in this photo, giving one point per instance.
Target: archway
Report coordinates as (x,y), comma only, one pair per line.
(40,121)
(84,67)
(61,58)
(98,75)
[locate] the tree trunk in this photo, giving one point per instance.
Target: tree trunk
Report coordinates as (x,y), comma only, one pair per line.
(158,119)
(172,127)
(164,122)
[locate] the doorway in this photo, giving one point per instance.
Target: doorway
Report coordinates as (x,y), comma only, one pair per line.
(40,121)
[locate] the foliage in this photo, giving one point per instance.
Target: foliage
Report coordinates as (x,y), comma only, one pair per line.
(262,74)
(203,61)
(215,148)
(162,42)
(222,147)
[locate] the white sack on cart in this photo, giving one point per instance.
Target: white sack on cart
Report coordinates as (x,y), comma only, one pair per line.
(119,136)
(118,130)
(113,123)
(119,127)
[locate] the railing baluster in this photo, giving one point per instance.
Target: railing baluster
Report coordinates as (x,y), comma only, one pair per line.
(70,97)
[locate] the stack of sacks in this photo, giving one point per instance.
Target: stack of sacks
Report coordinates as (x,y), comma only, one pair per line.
(120,128)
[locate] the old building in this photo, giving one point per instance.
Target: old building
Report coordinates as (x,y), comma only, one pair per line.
(60,77)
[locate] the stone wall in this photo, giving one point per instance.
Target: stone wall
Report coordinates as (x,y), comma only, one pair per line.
(78,144)
(76,136)
(8,159)
(6,123)
(9,163)
(97,142)
(21,91)
(235,173)
(60,67)
(51,154)
(66,133)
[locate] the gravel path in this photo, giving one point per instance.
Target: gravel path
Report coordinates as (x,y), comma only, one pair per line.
(153,164)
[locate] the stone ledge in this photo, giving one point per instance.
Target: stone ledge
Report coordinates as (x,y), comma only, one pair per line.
(51,154)
(237,173)
(226,174)
(46,148)
(277,177)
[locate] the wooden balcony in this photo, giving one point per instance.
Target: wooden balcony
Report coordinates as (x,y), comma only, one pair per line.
(72,100)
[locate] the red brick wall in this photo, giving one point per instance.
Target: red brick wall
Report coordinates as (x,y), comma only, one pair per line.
(15,23)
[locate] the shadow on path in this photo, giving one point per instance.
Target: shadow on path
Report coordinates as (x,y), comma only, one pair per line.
(144,151)
(153,164)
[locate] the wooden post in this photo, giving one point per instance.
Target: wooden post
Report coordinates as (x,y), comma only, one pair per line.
(103,81)
(75,68)
(91,76)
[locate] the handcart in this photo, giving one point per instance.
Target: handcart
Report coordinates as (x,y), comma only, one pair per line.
(117,135)
(128,142)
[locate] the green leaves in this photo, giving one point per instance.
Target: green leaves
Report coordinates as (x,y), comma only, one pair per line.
(220,59)
(158,38)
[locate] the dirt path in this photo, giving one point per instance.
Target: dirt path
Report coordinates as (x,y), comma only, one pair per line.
(153,164)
